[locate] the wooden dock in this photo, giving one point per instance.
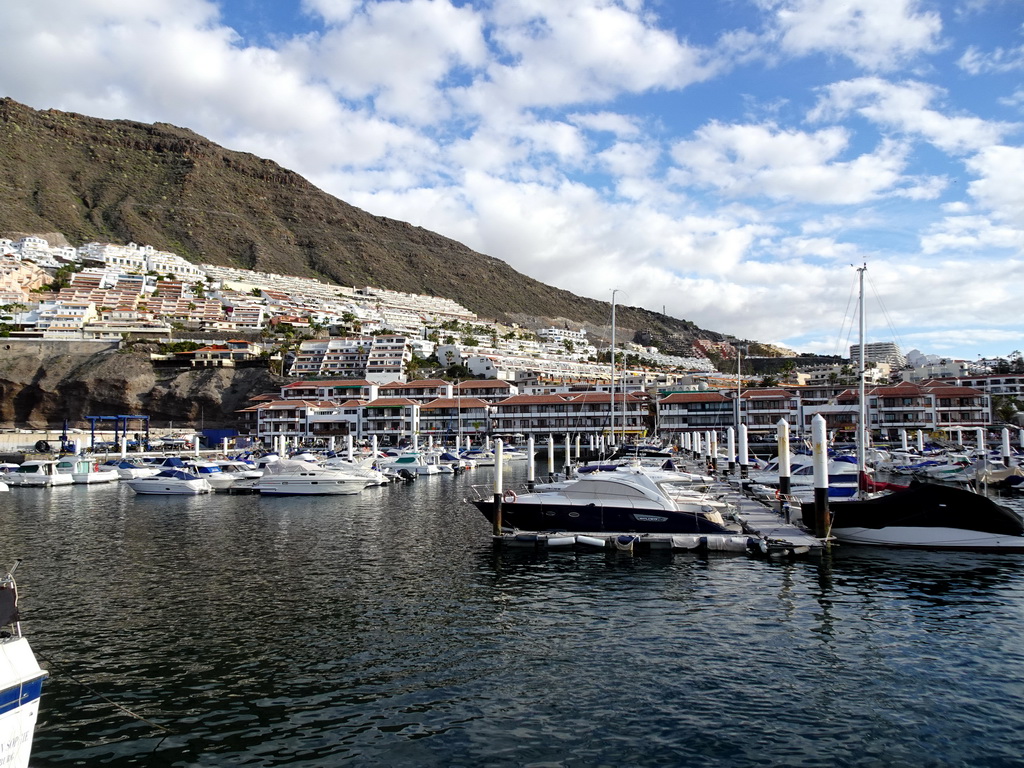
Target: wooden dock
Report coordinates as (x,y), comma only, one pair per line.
(759,519)
(735,544)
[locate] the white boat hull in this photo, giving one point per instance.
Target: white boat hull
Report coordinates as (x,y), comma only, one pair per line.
(91,478)
(326,487)
(21,682)
(910,537)
(154,486)
(41,481)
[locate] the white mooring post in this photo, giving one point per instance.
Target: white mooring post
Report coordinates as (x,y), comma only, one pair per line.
(903,440)
(785,478)
(499,460)
(531,465)
(567,462)
(819,449)
(730,447)
(920,441)
(744,455)
(349,447)
(551,457)
(1007,453)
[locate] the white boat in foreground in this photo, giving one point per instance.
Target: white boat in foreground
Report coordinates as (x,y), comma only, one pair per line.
(21,682)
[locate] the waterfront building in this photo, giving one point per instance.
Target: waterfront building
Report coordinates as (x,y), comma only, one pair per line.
(392,419)
(421,390)
(445,419)
(489,390)
(584,414)
(336,390)
(694,411)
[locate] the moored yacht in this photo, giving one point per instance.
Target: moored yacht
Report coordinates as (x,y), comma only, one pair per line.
(86,471)
(170,482)
(929,516)
(41,473)
(286,477)
(620,501)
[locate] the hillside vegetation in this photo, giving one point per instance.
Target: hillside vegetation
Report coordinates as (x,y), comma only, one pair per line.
(160,185)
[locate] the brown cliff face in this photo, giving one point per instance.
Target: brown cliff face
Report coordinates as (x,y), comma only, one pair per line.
(41,384)
(121,181)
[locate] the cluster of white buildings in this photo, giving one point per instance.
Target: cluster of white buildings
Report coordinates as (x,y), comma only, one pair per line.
(116,290)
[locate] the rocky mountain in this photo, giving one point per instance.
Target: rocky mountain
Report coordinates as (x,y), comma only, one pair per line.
(122,181)
(43,383)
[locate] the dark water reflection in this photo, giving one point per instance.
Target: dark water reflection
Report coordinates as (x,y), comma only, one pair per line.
(383,629)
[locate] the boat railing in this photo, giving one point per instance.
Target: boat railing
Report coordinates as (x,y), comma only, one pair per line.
(9,604)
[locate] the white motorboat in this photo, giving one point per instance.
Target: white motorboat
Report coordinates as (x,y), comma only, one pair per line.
(129,469)
(411,461)
(86,471)
(624,501)
(170,482)
(215,474)
(21,681)
(363,467)
(40,473)
(286,477)
(246,470)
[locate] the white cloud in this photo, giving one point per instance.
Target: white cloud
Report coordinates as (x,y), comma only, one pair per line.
(629,159)
(762,160)
(331,11)
(959,234)
(906,107)
(999,187)
(623,126)
(975,62)
(575,52)
(398,54)
(874,34)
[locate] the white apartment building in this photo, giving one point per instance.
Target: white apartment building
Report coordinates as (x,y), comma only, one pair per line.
(879,352)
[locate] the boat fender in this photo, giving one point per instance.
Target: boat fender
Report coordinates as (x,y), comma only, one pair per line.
(509,496)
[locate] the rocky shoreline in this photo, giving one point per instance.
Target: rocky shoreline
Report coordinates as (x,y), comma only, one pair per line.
(44,383)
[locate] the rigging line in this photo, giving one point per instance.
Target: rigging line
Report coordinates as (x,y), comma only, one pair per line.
(97,694)
(885,314)
(846,316)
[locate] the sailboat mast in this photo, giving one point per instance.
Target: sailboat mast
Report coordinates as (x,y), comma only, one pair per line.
(862,407)
(612,403)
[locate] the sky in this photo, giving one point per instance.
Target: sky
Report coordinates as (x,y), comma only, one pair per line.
(728,162)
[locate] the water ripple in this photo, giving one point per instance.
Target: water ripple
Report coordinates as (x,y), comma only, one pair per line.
(384,629)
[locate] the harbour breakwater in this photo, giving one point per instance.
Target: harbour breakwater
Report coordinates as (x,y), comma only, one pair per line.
(43,383)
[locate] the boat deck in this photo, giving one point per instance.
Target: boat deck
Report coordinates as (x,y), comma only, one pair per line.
(763,531)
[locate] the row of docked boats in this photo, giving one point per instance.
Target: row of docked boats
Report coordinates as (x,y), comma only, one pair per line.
(302,473)
(634,499)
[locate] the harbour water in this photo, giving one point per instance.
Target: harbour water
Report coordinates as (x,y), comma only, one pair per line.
(385,630)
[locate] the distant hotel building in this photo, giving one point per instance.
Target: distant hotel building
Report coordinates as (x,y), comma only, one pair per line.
(880,352)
